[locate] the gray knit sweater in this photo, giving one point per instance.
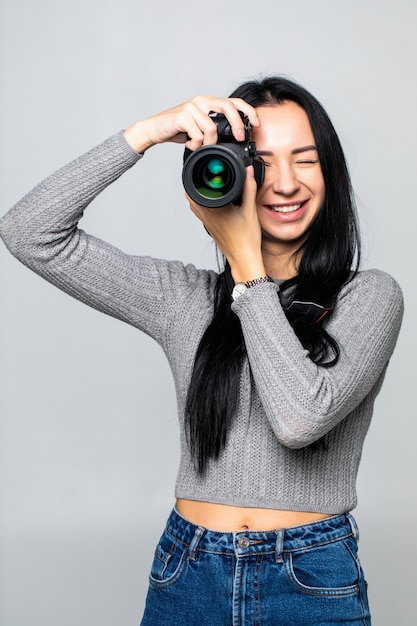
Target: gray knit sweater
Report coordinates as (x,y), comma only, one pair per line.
(286,402)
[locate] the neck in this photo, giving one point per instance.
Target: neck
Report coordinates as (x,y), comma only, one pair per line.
(281,264)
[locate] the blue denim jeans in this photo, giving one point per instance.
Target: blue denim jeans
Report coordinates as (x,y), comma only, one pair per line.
(299,576)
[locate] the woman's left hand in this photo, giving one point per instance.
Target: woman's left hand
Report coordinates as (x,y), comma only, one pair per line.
(237,232)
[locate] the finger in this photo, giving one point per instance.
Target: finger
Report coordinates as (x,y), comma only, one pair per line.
(247,109)
(233,108)
(207,128)
(250,189)
(180,138)
(229,107)
(193,119)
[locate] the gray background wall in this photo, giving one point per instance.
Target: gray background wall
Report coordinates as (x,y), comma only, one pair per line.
(88,433)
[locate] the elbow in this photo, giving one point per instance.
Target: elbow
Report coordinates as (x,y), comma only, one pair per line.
(17,235)
(10,236)
(302,434)
(298,439)
(18,246)
(297,443)
(34,247)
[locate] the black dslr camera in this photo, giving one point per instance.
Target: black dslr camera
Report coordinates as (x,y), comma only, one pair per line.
(213,176)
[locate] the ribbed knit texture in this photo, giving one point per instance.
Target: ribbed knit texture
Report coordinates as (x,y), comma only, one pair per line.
(286,402)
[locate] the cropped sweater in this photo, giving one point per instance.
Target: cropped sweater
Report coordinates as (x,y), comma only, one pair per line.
(286,402)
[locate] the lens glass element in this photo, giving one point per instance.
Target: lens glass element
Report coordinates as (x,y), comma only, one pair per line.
(215,167)
(213,177)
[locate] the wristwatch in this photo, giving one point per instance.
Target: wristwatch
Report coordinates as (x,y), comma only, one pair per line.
(240,288)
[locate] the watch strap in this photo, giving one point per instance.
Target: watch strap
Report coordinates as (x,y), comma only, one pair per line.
(258,281)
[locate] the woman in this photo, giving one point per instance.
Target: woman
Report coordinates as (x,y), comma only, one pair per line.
(277,360)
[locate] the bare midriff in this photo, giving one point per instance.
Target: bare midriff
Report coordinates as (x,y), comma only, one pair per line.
(226,518)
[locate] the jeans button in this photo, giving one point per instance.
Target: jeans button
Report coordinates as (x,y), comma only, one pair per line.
(244,542)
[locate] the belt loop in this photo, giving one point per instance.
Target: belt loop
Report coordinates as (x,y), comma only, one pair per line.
(279,545)
(353,525)
(192,550)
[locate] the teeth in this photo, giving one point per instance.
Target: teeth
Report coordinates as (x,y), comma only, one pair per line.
(285,209)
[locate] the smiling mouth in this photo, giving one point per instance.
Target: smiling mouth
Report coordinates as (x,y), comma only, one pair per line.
(289,208)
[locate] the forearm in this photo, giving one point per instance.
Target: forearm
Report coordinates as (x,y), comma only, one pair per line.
(302,400)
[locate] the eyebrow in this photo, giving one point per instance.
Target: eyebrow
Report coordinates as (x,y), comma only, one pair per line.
(295,151)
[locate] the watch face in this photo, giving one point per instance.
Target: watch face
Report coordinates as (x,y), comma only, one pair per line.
(238,289)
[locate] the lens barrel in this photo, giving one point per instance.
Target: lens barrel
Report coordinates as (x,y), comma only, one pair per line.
(214,176)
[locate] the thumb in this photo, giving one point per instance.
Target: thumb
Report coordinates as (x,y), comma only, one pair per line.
(250,188)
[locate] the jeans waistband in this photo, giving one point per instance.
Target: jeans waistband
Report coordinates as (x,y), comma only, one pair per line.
(247,542)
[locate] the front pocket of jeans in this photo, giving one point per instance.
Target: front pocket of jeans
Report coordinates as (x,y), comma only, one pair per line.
(327,570)
(169,563)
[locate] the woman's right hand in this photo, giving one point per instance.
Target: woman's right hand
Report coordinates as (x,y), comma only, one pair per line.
(189,123)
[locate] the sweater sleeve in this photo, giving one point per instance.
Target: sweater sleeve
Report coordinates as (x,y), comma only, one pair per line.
(42,232)
(303,401)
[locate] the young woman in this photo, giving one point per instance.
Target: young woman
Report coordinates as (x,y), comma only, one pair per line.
(277,360)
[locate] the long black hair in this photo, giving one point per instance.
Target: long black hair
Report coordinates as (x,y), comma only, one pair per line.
(331,249)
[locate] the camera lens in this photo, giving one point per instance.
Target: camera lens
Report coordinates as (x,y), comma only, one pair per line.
(213,176)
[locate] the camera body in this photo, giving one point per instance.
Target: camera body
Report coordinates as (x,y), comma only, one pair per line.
(213,176)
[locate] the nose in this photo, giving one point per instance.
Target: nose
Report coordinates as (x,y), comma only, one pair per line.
(285,181)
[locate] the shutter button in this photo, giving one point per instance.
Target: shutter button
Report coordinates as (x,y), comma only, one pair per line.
(244,542)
